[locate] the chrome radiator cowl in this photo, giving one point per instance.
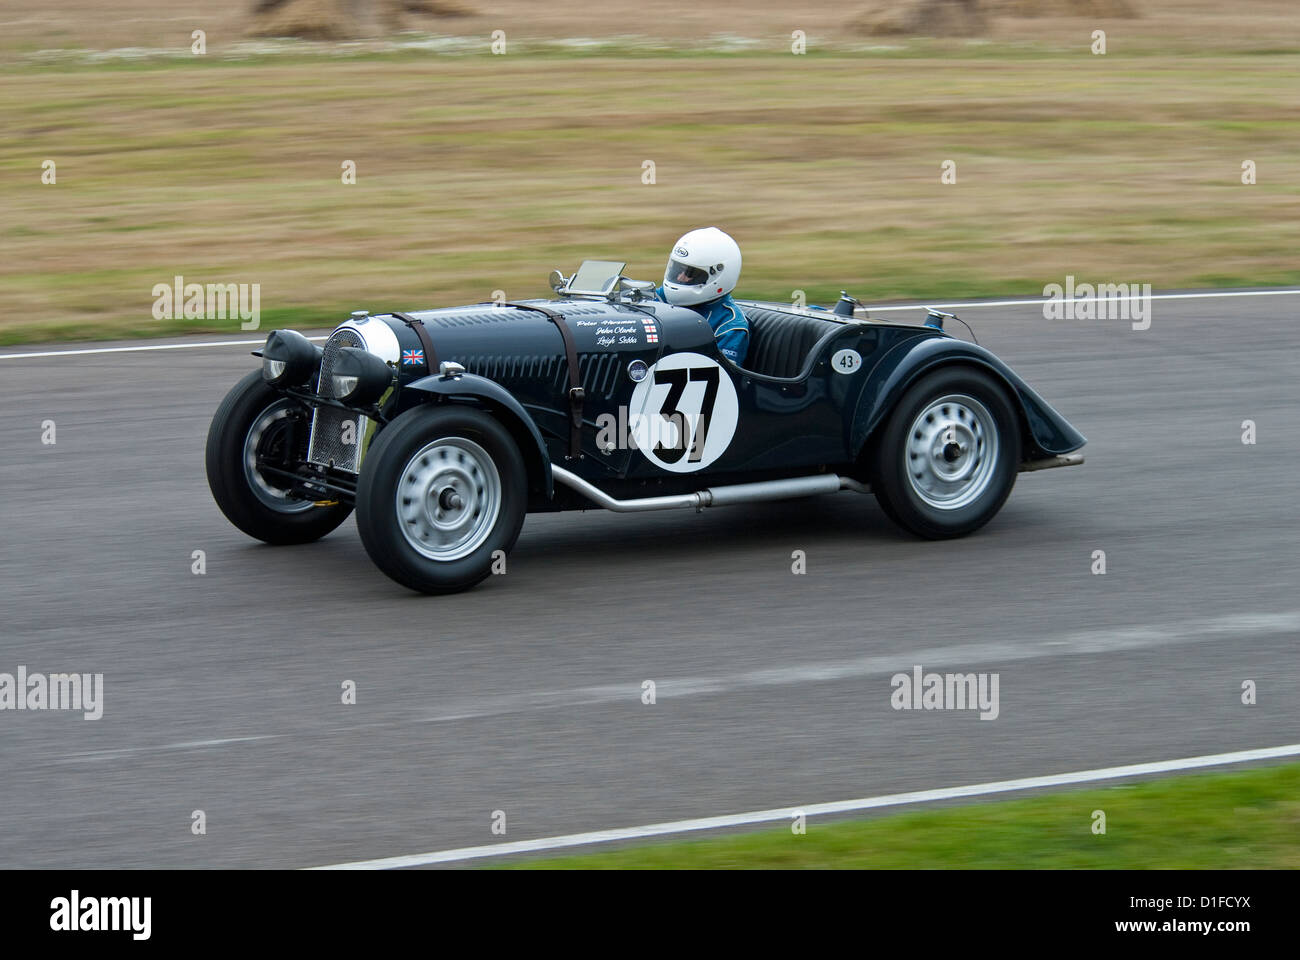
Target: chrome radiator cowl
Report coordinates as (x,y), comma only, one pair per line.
(333,442)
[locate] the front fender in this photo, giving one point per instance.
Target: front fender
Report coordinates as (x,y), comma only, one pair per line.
(469,386)
(1050,432)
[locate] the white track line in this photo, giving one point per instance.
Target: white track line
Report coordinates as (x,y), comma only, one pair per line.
(1109,640)
(139,349)
(870,309)
(816,809)
(187,745)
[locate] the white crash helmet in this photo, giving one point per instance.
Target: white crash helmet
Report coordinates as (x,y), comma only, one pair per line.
(704,265)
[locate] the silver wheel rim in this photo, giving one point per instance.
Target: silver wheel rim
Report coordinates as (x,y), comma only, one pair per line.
(952,452)
(268,495)
(448,499)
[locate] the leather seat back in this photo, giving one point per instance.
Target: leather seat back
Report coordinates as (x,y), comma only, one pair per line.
(779,343)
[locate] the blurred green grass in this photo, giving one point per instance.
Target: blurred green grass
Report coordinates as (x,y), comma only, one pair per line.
(482,173)
(1247,819)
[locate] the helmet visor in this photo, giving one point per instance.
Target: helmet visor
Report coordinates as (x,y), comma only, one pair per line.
(684,274)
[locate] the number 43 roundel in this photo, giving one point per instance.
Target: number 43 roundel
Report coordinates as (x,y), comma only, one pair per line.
(683,414)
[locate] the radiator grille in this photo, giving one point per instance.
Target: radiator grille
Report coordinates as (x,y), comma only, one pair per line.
(328,424)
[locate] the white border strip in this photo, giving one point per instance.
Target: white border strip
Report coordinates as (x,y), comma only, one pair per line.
(1030,303)
(816,809)
(870,309)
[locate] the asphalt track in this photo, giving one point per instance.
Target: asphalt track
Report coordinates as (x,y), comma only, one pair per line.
(222,691)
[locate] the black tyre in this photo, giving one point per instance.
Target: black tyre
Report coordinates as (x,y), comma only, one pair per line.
(947,458)
(256,421)
(442,489)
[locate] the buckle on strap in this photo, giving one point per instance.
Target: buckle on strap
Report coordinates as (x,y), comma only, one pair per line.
(417,326)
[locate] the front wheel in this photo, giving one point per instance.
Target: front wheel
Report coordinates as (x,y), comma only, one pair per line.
(947,458)
(255,427)
(442,493)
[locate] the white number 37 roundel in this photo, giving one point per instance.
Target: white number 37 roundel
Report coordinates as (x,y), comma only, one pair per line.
(683,415)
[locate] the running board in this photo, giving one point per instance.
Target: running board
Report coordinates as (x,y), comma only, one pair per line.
(1068,460)
(714,496)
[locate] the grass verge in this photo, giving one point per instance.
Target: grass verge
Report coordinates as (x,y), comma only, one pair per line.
(1245,819)
(480,173)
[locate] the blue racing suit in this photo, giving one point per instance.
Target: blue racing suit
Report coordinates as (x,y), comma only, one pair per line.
(730,328)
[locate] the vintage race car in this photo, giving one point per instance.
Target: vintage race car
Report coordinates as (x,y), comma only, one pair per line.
(443,428)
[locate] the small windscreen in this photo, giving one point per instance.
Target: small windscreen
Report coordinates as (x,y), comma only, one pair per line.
(596,276)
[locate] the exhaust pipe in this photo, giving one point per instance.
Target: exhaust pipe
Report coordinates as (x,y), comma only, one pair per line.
(1049,463)
(714,496)
(762,491)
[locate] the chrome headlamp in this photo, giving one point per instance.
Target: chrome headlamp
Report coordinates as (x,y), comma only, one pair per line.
(359,378)
(289,359)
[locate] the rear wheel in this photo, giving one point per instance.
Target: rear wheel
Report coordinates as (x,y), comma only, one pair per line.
(256,426)
(947,459)
(442,491)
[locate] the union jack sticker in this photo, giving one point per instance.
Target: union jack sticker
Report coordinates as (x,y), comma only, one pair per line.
(412,357)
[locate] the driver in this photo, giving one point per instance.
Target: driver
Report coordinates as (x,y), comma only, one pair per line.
(703,269)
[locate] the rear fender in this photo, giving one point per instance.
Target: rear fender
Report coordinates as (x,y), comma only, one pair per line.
(1046,432)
